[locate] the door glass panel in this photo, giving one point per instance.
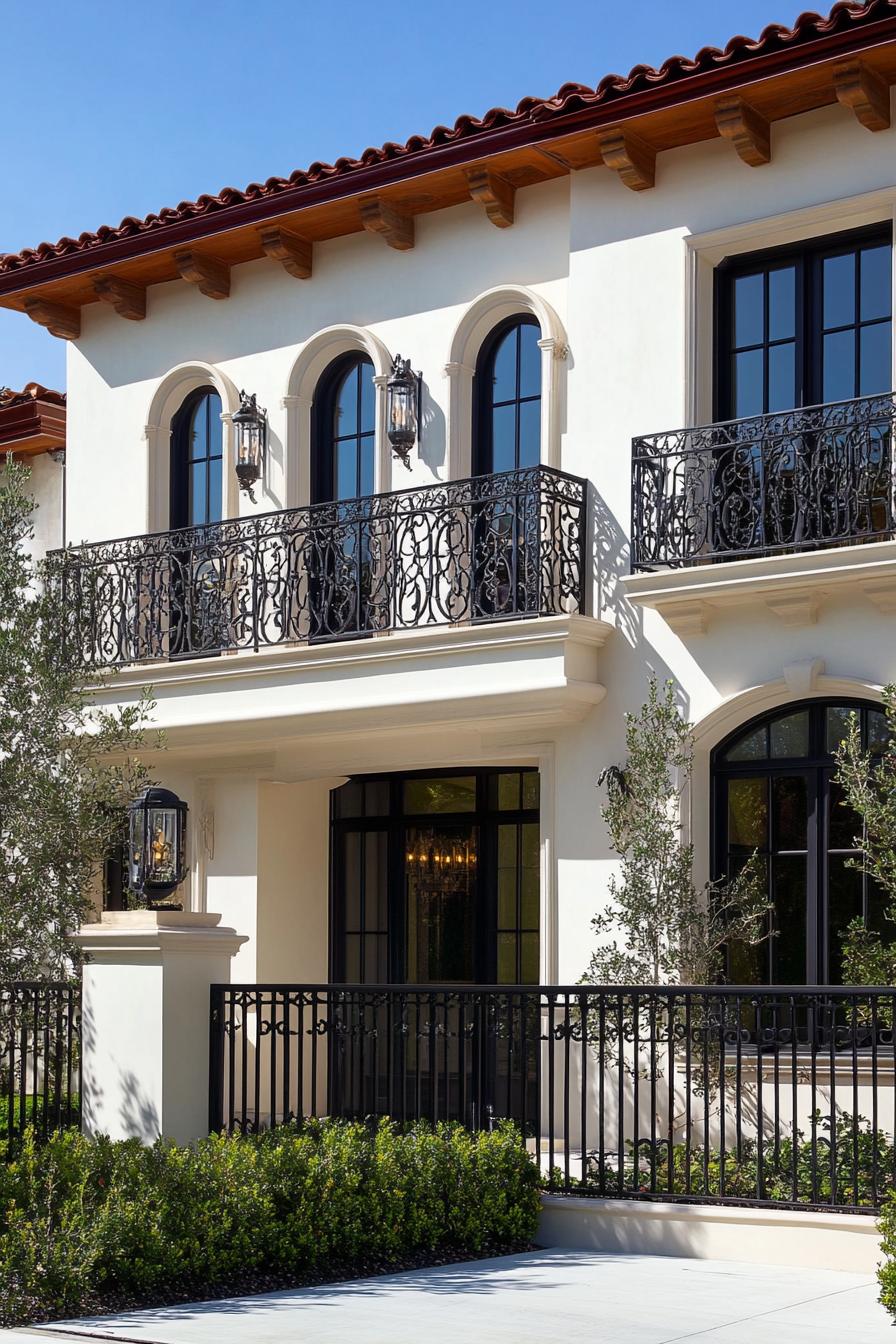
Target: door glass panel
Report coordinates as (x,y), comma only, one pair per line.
(503,438)
(843,823)
(504,373)
(875,282)
(839,367)
(839,288)
(530,434)
(530,361)
(782,303)
(844,905)
(749,310)
(790,735)
(508,792)
(782,377)
(878,733)
(875,371)
(748,389)
(441,871)
(752,747)
(790,812)
(747,814)
(836,724)
(788,947)
(449,793)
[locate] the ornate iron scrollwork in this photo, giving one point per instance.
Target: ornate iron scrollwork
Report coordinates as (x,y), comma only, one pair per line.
(792,481)
(489,548)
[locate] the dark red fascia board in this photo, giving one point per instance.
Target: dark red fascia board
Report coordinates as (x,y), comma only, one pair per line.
(30,419)
(740,73)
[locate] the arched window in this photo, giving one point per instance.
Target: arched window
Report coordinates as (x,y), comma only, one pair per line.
(344,431)
(197,452)
(775,793)
(508,398)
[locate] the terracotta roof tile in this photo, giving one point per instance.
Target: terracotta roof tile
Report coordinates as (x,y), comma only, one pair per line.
(568,99)
(30,392)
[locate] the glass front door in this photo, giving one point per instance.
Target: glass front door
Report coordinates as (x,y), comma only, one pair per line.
(435,886)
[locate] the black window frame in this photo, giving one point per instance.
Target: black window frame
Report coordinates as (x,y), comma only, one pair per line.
(324,437)
(486,816)
(183,458)
(818,766)
(808,256)
(483,457)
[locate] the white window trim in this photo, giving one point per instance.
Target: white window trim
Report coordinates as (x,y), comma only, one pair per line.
(706,250)
(167,400)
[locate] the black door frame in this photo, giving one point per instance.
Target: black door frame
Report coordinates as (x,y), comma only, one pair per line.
(396,824)
(819,769)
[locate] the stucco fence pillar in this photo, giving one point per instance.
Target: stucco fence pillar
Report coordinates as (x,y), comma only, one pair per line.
(145,1021)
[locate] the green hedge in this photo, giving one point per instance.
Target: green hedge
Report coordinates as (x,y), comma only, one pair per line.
(886,1273)
(860,1173)
(89,1223)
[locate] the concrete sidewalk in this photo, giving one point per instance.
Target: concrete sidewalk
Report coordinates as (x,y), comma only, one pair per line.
(527,1299)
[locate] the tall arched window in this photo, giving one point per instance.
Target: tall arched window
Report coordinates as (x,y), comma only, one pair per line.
(197,452)
(508,398)
(775,793)
(344,431)
(345,587)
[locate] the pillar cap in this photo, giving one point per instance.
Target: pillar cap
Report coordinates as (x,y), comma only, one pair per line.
(158,930)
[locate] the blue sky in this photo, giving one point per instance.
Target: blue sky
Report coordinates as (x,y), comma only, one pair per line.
(118,109)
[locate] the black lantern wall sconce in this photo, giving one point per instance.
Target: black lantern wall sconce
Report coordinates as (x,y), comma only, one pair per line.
(251,425)
(404,392)
(157,849)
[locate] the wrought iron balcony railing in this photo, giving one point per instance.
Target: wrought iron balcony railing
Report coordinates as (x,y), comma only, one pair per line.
(792,481)
(490,548)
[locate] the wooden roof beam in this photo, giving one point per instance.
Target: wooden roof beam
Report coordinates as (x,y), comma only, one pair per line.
(395,228)
(864,92)
(293,253)
(747,129)
(210,276)
(58,318)
(128,299)
(495,193)
(629,156)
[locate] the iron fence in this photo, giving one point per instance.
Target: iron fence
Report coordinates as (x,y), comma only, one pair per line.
(734,1095)
(791,481)
(489,548)
(40,1058)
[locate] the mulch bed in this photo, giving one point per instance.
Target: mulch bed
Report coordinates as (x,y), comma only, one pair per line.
(258,1281)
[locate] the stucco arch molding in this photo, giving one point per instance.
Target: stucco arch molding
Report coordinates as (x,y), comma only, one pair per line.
(167,398)
(481,317)
(313,359)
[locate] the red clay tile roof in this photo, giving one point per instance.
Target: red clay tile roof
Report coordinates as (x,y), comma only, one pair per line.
(844,17)
(30,392)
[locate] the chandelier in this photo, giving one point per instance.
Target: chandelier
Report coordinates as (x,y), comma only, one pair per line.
(441,863)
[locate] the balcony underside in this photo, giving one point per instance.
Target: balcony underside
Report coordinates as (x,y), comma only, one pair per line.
(519,676)
(793,588)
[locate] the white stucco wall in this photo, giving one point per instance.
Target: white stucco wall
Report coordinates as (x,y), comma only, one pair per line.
(625,273)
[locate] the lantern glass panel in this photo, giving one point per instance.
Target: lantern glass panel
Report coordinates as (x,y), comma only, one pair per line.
(163,858)
(136,845)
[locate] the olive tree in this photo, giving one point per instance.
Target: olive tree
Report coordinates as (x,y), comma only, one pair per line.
(658,926)
(67,766)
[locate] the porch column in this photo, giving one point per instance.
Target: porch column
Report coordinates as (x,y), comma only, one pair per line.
(145,1021)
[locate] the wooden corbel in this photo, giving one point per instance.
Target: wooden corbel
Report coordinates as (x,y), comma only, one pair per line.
(292,252)
(495,193)
(746,128)
(628,155)
(128,299)
(210,276)
(395,228)
(864,92)
(58,318)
